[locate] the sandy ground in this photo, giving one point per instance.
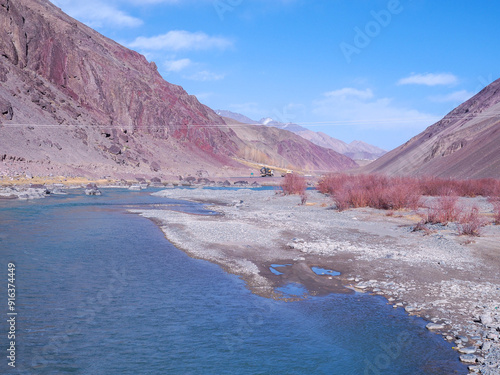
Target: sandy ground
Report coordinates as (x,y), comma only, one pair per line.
(450,280)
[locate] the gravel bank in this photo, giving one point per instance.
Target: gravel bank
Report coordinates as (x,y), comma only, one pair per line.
(451,281)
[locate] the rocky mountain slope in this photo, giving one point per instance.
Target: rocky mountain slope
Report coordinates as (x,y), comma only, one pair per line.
(234,116)
(74,102)
(284,149)
(357,150)
(464,144)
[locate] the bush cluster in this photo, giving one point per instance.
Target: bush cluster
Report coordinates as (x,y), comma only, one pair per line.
(294,184)
(371,191)
(396,193)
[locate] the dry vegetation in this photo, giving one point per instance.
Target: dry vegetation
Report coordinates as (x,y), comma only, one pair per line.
(405,193)
(295,184)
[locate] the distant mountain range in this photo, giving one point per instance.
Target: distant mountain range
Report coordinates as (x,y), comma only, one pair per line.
(73,102)
(356,150)
(464,144)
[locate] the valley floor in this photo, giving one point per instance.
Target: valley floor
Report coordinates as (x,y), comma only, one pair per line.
(450,280)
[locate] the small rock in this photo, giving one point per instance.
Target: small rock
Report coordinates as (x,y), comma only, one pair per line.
(6,109)
(486,346)
(468,350)
(492,336)
(468,358)
(463,338)
(486,319)
(434,326)
(92,189)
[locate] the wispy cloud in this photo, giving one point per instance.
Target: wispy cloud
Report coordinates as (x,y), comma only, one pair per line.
(349,92)
(360,108)
(177,65)
(454,97)
(98,14)
(181,40)
(429,79)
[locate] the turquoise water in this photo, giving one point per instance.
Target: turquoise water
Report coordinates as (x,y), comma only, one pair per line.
(323,271)
(101,291)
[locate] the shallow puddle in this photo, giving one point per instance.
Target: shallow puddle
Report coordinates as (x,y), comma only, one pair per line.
(323,271)
(275,271)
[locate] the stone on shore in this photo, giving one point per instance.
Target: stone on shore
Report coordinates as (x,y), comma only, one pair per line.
(468,358)
(467,350)
(92,189)
(434,326)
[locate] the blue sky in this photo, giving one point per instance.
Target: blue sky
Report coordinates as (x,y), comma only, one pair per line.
(377,71)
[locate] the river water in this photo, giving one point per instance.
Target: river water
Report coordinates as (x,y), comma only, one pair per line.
(101,291)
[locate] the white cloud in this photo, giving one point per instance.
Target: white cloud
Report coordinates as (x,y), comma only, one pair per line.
(350,92)
(360,108)
(455,97)
(177,40)
(177,65)
(429,79)
(204,76)
(97,13)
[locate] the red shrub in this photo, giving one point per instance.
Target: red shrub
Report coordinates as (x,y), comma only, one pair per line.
(330,183)
(433,186)
(432,217)
(402,196)
(294,184)
(470,223)
(357,196)
(396,193)
(495,201)
(447,210)
(342,199)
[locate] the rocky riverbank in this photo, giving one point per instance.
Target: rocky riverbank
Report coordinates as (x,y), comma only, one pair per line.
(43,187)
(452,281)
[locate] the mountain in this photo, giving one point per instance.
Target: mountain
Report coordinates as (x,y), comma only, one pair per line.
(267,121)
(73,102)
(284,149)
(356,150)
(464,144)
(235,116)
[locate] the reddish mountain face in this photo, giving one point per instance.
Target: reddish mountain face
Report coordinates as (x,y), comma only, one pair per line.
(284,149)
(75,102)
(464,144)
